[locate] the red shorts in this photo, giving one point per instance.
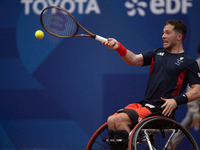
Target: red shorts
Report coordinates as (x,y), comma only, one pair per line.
(138,108)
(141,111)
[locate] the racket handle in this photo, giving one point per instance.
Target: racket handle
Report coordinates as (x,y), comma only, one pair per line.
(99,38)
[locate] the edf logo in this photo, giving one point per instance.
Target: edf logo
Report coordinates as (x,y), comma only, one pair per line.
(158,7)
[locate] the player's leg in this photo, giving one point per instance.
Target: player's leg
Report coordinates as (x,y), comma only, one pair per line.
(119,126)
(123,122)
(127,118)
(111,122)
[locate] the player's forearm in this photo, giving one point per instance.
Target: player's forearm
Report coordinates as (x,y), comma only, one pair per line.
(132,59)
(194,93)
(128,56)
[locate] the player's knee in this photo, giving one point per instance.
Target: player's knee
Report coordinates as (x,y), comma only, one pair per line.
(120,119)
(111,121)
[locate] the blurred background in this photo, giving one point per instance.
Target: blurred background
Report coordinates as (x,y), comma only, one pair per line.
(54,93)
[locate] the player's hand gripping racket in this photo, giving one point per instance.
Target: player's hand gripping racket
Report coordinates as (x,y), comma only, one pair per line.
(60,23)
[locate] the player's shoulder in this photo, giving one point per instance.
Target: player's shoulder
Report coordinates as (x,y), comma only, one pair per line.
(191,62)
(160,49)
(188,57)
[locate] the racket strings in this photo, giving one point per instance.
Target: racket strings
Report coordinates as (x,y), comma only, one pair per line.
(59,22)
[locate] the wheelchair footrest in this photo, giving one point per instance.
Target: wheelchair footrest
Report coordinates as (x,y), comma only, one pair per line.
(116,140)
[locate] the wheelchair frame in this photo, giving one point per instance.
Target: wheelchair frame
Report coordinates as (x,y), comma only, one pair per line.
(153,133)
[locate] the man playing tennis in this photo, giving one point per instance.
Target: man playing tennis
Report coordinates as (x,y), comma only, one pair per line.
(171,70)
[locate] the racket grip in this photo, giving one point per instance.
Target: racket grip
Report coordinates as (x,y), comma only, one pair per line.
(99,38)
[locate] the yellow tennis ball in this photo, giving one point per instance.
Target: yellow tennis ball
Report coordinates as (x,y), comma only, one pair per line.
(39,34)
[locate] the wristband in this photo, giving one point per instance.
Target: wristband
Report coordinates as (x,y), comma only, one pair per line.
(121,50)
(181,99)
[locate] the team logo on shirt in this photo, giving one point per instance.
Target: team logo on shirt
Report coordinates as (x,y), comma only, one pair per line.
(199,74)
(161,53)
(179,61)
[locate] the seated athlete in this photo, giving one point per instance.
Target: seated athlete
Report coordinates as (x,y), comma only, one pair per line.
(171,70)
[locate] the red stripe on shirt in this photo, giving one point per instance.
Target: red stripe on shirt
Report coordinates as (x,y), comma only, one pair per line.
(151,68)
(179,84)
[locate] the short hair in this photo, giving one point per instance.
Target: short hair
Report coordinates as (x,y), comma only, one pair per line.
(179,26)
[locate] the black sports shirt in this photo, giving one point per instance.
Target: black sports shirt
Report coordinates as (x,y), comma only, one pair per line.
(169,75)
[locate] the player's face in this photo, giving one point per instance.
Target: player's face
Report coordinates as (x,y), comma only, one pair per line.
(169,37)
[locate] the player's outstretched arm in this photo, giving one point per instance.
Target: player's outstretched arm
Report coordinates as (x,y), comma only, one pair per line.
(128,56)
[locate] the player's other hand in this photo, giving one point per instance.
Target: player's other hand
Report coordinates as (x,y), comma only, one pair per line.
(169,106)
(111,43)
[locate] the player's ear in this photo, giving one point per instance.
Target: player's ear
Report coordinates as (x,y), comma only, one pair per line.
(179,37)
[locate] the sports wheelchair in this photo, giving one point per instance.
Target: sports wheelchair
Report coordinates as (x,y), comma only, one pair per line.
(154,132)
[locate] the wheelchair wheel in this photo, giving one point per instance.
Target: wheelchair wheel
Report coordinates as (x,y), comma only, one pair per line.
(156,133)
(97,141)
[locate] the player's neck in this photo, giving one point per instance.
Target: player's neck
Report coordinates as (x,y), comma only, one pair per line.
(176,49)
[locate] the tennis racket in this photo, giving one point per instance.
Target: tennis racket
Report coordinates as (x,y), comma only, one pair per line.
(60,23)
